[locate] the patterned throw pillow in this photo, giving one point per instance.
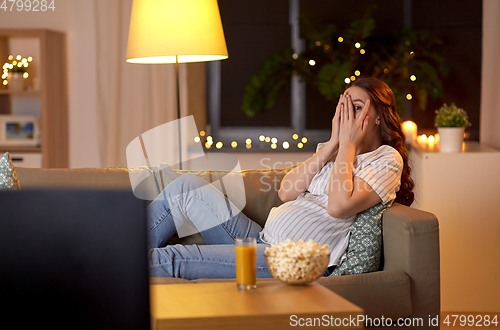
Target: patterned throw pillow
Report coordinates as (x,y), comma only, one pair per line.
(8,176)
(365,243)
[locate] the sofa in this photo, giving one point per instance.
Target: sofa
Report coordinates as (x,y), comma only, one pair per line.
(407,284)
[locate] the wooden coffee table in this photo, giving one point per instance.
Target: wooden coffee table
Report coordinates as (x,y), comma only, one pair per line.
(273,305)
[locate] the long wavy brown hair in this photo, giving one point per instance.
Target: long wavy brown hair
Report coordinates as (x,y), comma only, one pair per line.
(384,102)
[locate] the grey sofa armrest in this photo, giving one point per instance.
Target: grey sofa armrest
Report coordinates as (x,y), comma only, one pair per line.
(411,244)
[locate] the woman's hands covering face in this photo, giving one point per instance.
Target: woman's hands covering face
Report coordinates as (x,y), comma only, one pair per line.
(352,127)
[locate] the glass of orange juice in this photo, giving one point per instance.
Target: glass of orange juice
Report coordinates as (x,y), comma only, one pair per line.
(246,263)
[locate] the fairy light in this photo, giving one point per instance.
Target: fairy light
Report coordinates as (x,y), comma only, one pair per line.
(248,141)
(312,62)
(295,136)
(357,73)
(304,140)
(267,139)
(286,145)
(353,78)
(347,80)
(430,139)
(274,140)
(340,39)
(262,138)
(413,77)
(234,144)
(248,146)
(273,145)
(208,145)
(300,145)
(318,43)
(409,97)
(219,145)
(196,139)
(202,133)
(357,45)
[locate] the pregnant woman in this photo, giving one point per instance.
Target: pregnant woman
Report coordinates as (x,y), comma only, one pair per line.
(364,163)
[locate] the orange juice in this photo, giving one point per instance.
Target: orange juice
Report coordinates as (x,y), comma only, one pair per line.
(246,264)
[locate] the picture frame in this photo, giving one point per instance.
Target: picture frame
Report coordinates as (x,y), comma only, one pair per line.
(19,131)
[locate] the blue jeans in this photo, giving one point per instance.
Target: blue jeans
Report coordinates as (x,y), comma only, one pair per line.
(191,201)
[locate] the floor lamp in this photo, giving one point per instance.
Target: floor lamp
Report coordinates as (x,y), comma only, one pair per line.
(175,31)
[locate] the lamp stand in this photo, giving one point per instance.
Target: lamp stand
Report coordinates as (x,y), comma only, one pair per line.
(178,109)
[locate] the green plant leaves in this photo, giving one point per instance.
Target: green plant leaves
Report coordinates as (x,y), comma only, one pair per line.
(408,61)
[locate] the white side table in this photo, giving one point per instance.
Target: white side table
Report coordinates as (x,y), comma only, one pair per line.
(463,191)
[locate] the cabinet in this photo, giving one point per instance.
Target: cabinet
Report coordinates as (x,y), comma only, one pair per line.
(463,190)
(44,95)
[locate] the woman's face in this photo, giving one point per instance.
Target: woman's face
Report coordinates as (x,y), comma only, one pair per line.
(359,97)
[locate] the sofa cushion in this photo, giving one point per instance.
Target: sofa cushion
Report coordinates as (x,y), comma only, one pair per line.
(383,293)
(91,178)
(8,175)
(365,243)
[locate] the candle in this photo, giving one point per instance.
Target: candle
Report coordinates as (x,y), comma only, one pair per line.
(410,131)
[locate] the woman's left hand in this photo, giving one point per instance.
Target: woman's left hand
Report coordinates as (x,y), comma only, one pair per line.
(352,128)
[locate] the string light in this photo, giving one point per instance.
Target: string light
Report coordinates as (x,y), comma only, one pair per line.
(248,146)
(347,80)
(300,145)
(413,77)
(312,62)
(274,140)
(219,145)
(234,144)
(248,141)
(357,73)
(196,139)
(295,136)
(357,45)
(273,145)
(340,39)
(409,97)
(304,140)
(362,51)
(202,133)
(286,145)
(267,139)
(262,138)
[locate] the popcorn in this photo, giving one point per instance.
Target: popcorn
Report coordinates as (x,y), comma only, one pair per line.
(297,262)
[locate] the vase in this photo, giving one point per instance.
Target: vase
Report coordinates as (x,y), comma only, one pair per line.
(451,139)
(16,81)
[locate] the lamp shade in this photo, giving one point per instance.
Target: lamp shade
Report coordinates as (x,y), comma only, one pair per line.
(160,30)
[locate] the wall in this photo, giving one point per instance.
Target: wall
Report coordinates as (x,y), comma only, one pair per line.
(490,84)
(76,19)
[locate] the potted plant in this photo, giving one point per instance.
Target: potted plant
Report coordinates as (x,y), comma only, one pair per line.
(451,122)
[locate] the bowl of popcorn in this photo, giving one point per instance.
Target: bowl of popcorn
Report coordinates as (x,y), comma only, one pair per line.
(297,263)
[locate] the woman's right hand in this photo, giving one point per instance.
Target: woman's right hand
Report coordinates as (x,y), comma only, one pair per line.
(334,139)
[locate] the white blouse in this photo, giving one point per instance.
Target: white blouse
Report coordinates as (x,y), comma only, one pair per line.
(307,218)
